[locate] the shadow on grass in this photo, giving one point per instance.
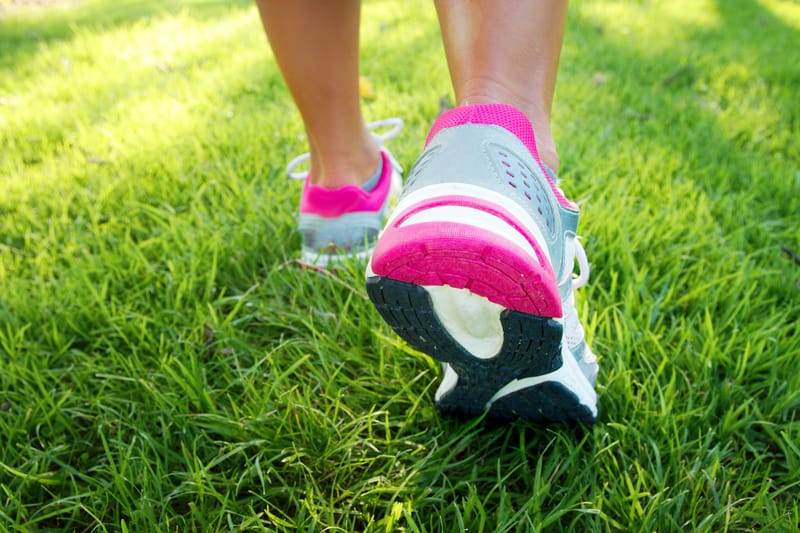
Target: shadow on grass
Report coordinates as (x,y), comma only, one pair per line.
(666,100)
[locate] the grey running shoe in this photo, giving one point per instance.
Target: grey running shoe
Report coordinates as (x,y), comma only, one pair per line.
(337,224)
(475,268)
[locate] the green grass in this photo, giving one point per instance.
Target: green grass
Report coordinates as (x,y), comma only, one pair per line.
(165,366)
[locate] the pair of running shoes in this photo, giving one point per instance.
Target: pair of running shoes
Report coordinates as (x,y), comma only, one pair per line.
(473,266)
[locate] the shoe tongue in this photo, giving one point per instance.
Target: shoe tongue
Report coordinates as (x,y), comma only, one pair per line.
(503,115)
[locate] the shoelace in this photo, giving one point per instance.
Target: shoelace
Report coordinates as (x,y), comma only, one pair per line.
(577,283)
(395,123)
(583,266)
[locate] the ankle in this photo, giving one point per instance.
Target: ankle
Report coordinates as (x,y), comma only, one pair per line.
(549,156)
(342,168)
(539,119)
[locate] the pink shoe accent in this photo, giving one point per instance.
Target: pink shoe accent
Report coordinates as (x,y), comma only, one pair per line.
(466,257)
(505,116)
(332,203)
(486,207)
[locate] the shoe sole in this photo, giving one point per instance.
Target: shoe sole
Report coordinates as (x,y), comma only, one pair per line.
(531,351)
(522,373)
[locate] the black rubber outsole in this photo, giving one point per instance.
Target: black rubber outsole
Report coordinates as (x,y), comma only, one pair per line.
(531,347)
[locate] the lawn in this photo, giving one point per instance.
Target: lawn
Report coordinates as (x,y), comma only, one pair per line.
(165,366)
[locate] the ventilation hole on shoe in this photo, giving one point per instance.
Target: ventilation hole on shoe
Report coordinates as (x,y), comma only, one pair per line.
(529,181)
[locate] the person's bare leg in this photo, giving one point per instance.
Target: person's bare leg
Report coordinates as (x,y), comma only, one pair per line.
(506,51)
(315,44)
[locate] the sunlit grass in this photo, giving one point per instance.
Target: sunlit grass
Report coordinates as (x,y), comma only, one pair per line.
(164,364)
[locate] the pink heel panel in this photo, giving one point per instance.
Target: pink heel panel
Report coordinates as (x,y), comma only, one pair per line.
(465,257)
(332,203)
(481,205)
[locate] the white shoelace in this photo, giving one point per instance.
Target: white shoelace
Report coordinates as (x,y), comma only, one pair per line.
(570,313)
(394,123)
(583,266)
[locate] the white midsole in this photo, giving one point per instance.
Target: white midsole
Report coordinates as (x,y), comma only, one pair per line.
(476,218)
(479,193)
(449,381)
(569,375)
(472,320)
(316,259)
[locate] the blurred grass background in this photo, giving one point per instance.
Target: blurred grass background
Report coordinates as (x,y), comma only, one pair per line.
(165,366)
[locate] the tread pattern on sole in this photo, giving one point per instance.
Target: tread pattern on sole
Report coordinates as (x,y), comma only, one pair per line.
(531,347)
